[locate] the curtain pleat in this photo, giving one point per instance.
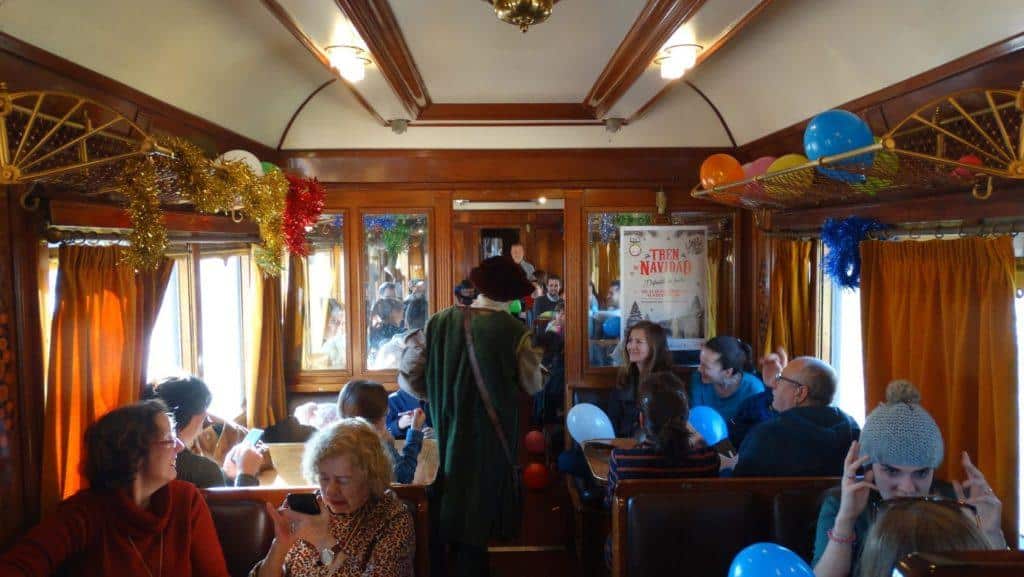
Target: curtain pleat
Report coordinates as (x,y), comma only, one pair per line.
(940,314)
(265,379)
(792,322)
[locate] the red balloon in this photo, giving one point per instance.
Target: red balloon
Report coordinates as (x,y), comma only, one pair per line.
(535,476)
(534,442)
(962,172)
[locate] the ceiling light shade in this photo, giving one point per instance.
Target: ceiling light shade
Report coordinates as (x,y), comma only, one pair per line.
(523,13)
(675,60)
(350,61)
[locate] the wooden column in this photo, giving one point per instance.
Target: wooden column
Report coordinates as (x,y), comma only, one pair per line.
(11,472)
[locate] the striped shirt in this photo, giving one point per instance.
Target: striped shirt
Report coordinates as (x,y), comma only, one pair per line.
(646,462)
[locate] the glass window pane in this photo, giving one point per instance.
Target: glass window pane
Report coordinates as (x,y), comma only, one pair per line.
(325,342)
(165,354)
(847,351)
(222,359)
(604,315)
(395,290)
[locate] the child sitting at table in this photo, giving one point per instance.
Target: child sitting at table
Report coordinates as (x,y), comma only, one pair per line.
(369,400)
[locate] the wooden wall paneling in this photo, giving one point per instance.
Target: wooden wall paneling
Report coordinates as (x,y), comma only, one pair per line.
(26,67)
(66,213)
(29,257)
(442,267)
(575,290)
(389,170)
(548,249)
(505,112)
(12,441)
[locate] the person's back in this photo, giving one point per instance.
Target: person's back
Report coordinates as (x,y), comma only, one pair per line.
(369,400)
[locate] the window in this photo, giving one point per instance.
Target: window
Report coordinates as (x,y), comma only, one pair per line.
(216,351)
(395,296)
(847,351)
(325,335)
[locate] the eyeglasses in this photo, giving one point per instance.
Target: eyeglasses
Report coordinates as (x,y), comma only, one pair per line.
(780,377)
(170,443)
(954,504)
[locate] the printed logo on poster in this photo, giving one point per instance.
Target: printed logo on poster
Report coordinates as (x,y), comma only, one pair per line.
(664,281)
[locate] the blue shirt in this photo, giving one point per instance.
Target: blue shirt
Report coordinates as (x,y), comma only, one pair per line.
(704,394)
(402,402)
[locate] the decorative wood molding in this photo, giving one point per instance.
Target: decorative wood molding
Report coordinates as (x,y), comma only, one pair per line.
(11,442)
(506,112)
(92,215)
(24,66)
(376,24)
(502,168)
(292,26)
(708,52)
(655,25)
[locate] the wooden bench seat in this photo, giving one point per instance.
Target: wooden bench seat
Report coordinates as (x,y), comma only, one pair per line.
(696,526)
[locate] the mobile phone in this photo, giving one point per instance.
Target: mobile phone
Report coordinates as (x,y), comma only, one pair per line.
(303,503)
(252,437)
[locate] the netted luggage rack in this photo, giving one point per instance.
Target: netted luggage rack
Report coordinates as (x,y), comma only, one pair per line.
(968,140)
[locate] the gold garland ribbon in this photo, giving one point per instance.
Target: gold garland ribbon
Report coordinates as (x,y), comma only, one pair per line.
(148,238)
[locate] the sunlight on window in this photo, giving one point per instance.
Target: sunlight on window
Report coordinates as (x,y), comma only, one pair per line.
(222,359)
(847,352)
(165,355)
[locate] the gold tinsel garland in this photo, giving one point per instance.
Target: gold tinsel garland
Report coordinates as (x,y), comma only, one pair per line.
(212,188)
(148,239)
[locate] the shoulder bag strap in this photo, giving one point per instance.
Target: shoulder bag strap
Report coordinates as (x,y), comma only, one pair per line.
(485,395)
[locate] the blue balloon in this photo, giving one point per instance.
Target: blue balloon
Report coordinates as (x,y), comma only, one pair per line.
(709,424)
(768,560)
(835,132)
(612,327)
(586,422)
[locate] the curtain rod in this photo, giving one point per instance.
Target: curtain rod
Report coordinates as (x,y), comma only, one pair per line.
(925,229)
(59,235)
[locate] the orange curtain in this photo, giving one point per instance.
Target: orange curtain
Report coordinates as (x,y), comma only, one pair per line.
(714,274)
(99,335)
(940,313)
(792,311)
(265,382)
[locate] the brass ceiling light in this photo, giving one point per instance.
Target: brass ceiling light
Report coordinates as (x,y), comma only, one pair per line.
(523,13)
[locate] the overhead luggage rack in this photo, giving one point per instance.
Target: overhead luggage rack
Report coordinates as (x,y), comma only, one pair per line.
(970,139)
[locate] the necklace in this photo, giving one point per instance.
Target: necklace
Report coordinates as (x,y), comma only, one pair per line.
(160,567)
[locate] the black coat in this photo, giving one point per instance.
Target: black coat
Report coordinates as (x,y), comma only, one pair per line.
(800,442)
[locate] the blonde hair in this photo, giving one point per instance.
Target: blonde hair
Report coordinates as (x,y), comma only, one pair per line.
(356,439)
(917,526)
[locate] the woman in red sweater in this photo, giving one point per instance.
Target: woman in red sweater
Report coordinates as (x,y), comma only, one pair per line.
(135,519)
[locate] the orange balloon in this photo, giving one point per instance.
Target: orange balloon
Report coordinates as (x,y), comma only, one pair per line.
(719,169)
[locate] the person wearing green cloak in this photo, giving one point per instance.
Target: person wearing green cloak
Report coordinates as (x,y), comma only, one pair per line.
(475,496)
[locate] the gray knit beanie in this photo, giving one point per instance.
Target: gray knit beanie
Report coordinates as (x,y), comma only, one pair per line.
(900,432)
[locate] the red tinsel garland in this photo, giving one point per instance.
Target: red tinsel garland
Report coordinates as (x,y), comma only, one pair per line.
(302,208)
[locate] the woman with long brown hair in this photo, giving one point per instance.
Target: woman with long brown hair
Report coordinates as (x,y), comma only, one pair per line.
(644,352)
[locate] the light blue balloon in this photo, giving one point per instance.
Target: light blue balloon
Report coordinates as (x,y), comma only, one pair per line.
(768,560)
(586,422)
(835,132)
(612,327)
(709,424)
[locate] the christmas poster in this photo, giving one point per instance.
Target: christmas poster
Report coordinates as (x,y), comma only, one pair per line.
(664,280)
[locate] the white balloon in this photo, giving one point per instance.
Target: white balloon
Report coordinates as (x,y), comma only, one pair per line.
(245,156)
(587,421)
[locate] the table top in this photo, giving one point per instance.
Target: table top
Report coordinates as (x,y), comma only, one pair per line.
(287,459)
(599,451)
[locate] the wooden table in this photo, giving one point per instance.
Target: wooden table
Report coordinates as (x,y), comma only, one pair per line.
(599,451)
(287,458)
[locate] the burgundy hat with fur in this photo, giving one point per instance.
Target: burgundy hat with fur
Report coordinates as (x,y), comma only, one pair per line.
(500,278)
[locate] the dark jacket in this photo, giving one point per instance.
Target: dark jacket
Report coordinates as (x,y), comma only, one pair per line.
(800,442)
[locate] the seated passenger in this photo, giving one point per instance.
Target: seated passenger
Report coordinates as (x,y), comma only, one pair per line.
(189,398)
(901,445)
(919,525)
(369,400)
(401,406)
(807,438)
(724,378)
(362,528)
(135,518)
(645,352)
(667,449)
(551,297)
(757,408)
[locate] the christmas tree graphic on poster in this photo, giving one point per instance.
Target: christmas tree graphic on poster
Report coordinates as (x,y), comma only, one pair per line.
(664,280)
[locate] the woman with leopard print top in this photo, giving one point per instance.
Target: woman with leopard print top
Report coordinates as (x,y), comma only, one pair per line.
(361,530)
